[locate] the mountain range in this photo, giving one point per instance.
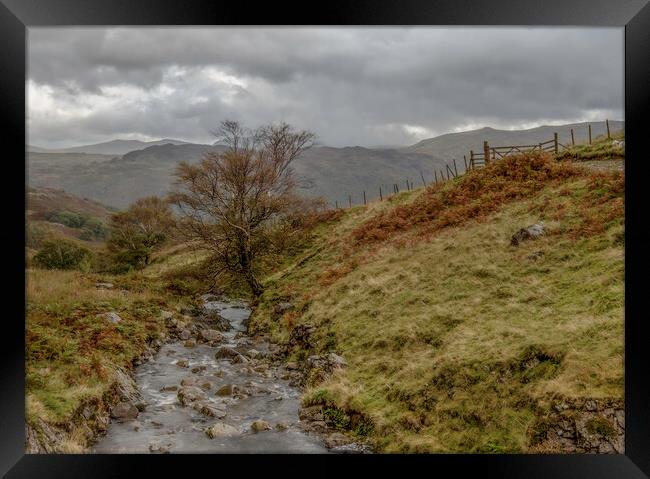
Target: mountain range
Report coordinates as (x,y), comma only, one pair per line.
(334,173)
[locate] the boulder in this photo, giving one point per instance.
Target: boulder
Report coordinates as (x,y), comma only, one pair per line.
(336,439)
(190,343)
(111,316)
(182,363)
(528,233)
(335,361)
(260,425)
(211,335)
(221,429)
(214,320)
(198,369)
(281,426)
(312,413)
(185,334)
(124,411)
(165,315)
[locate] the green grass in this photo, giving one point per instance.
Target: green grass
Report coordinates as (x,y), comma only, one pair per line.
(455,340)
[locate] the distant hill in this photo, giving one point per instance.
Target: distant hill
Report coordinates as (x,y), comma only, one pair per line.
(455,145)
(325,171)
(114,147)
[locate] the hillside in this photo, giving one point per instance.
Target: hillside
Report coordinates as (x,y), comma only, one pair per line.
(56,213)
(455,145)
(455,340)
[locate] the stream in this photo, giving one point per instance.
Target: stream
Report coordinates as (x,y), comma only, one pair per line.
(167,426)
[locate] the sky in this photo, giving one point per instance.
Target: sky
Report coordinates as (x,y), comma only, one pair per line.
(364,86)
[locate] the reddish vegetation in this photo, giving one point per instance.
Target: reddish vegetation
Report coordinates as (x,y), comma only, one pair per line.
(602,204)
(474,195)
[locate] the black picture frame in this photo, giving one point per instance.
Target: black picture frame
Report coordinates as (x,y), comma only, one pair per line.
(17,15)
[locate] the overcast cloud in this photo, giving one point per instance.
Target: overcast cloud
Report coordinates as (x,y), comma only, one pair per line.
(351,86)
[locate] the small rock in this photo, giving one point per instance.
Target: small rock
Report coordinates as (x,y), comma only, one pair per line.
(226,352)
(260,425)
(111,316)
(182,363)
(225,390)
(198,369)
(209,410)
(172,387)
(124,411)
(281,426)
(104,285)
(190,343)
(240,359)
(185,334)
(206,386)
(530,232)
(165,315)
(220,429)
(159,448)
(189,394)
(292,366)
(189,381)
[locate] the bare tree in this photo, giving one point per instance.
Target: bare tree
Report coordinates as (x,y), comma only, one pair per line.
(229,200)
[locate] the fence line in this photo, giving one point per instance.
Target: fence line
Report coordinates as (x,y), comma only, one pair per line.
(477,160)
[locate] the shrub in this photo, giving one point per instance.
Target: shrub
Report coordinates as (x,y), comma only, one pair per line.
(62,254)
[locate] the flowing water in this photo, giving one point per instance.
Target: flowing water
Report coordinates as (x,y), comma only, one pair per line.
(167,426)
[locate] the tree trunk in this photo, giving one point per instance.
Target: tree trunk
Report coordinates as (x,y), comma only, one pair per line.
(247,270)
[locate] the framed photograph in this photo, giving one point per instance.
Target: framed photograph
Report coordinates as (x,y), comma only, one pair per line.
(379,233)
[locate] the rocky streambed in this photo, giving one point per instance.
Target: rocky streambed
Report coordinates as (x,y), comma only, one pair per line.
(216,390)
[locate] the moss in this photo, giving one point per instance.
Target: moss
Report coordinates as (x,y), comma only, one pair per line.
(601,427)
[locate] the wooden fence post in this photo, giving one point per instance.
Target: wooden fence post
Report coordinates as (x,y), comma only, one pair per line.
(435,174)
(442,175)
(486,152)
(381,198)
(465,160)
(608,135)
(455,169)
(555,143)
(364,197)
(573,139)
(589,133)
(337,204)
(423,182)
(471,158)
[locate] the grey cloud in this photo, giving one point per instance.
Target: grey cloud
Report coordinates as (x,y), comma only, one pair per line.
(349,85)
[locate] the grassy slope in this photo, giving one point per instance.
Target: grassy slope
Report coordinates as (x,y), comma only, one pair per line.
(456,340)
